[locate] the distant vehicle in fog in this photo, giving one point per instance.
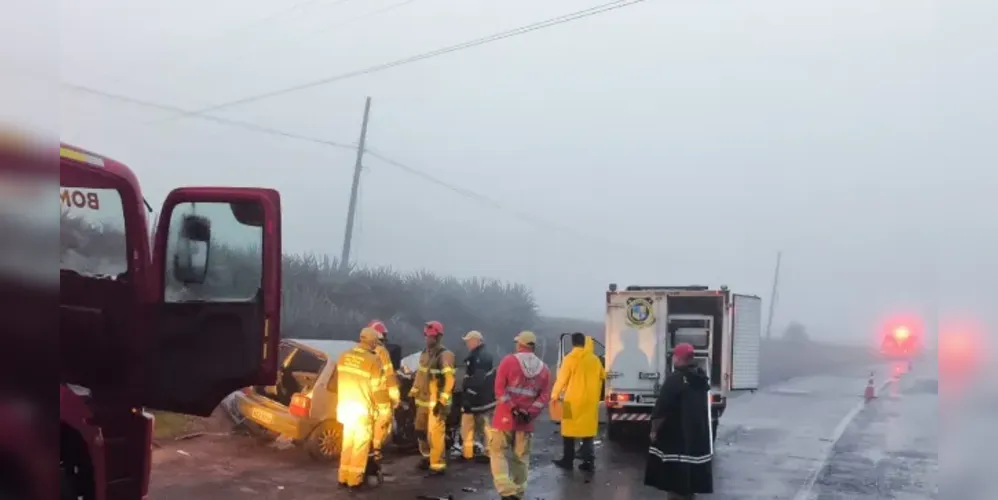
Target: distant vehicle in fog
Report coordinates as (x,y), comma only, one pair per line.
(901,341)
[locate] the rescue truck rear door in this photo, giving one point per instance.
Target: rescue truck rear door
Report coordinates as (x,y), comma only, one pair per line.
(635,330)
(746,342)
(216,325)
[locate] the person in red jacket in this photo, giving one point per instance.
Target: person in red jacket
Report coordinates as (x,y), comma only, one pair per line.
(523,389)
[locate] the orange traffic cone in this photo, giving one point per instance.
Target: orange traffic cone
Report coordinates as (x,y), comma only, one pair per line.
(868,392)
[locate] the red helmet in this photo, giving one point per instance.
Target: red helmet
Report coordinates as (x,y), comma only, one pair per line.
(378,326)
(433,328)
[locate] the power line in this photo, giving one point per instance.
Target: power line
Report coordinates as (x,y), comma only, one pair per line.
(464,192)
(480,198)
(562,19)
(224,121)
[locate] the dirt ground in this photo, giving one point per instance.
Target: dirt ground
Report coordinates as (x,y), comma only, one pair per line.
(216,466)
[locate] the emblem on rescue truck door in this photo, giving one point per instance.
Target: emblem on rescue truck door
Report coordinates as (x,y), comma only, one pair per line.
(640,313)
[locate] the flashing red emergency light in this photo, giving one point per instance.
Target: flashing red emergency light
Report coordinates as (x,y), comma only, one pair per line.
(901,333)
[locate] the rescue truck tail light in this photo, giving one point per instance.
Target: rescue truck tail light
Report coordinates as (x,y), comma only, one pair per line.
(300,405)
(618,399)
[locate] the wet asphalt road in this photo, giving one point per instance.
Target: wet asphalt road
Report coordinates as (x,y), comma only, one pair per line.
(810,438)
(890,450)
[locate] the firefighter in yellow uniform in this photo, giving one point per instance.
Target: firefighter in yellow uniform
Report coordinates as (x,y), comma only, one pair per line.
(359,386)
(432,391)
(389,387)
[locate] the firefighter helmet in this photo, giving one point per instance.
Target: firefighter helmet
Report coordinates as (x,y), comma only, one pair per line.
(369,336)
(433,329)
(379,327)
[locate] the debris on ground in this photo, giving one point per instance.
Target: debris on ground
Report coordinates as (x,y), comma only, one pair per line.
(283,443)
(184,453)
(468,489)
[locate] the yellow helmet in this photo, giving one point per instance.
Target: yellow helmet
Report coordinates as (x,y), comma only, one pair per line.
(369,335)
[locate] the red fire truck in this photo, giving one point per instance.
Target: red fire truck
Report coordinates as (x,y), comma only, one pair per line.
(155,321)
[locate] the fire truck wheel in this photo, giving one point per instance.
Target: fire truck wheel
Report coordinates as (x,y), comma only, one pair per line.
(66,489)
(324,443)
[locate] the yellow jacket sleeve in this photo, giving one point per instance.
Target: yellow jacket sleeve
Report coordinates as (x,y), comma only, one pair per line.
(564,373)
(388,373)
(447,372)
(379,390)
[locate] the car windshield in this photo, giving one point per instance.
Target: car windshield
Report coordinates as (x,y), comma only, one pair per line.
(410,363)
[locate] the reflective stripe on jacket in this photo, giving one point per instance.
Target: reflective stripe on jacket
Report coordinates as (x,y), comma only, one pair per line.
(434,378)
(388,393)
(524,382)
(358,379)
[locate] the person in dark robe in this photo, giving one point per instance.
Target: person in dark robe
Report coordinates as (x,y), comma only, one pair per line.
(681,451)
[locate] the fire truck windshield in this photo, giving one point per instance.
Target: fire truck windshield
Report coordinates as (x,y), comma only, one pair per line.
(92,231)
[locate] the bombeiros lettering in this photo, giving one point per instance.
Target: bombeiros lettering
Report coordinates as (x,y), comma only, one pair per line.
(75,198)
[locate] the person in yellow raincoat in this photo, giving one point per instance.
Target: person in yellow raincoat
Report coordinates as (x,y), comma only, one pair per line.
(389,386)
(359,387)
(578,387)
(433,392)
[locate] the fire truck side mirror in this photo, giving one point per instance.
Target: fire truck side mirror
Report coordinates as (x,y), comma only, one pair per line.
(192,251)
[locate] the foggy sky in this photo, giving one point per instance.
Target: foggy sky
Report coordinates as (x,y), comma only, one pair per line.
(679,141)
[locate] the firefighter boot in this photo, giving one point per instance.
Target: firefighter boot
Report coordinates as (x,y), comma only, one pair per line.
(374,469)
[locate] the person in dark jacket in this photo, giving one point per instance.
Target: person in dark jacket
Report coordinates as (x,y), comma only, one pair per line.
(478,398)
(680,456)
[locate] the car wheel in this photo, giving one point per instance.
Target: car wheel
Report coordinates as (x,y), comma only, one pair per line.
(323,444)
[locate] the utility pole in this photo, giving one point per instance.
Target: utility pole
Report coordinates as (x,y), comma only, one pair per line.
(352,209)
(772,297)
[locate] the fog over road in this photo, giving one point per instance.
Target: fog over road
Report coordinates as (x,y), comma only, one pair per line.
(808,438)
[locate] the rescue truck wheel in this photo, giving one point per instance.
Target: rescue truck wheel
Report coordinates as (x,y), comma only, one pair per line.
(324,443)
(615,431)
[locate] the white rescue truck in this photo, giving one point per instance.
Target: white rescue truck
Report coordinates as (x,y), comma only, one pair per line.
(644,323)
